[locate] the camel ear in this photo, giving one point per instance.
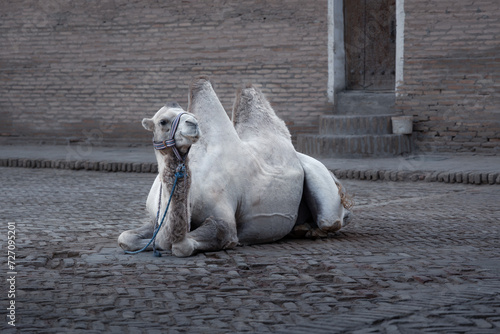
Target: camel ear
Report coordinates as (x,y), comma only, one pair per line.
(148,124)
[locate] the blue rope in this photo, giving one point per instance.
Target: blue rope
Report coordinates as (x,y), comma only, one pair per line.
(155,252)
(179,174)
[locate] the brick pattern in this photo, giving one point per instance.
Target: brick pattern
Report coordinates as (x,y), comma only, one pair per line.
(75,71)
(452,75)
(372,174)
(415,259)
(68,68)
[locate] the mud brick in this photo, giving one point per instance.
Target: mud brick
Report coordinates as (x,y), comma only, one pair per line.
(442,177)
(475,178)
(63,164)
(373,175)
(285,42)
(465,177)
(154,168)
(342,174)
(402,175)
(79,165)
(492,178)
(136,167)
(70,164)
(102,166)
(145,168)
(438,88)
(13,162)
(453,177)
(447,86)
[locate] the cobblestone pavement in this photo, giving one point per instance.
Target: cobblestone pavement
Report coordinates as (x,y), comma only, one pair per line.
(418,257)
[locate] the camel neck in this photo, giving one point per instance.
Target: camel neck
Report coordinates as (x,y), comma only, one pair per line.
(167,166)
(178,222)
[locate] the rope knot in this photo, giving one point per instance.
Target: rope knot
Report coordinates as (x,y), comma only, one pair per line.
(180,171)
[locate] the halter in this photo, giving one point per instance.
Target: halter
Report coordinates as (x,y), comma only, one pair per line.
(180,173)
(170,142)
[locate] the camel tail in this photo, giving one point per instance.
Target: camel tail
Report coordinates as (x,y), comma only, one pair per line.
(345,198)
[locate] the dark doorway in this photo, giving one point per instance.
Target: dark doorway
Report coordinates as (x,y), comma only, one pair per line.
(370,44)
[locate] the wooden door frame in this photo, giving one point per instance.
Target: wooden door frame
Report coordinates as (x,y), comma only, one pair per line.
(336,49)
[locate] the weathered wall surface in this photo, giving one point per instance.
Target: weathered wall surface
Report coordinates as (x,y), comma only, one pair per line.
(94,69)
(452,74)
(91,70)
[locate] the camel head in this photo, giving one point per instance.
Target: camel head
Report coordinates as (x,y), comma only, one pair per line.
(186,134)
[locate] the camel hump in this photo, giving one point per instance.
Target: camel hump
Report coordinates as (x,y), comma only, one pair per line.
(253,115)
(213,120)
(200,83)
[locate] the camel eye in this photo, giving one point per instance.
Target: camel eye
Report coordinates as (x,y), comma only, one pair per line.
(163,122)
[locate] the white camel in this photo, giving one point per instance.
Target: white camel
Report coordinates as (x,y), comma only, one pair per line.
(247,182)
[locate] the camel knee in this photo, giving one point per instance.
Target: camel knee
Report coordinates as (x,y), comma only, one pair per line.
(213,235)
(184,248)
(221,233)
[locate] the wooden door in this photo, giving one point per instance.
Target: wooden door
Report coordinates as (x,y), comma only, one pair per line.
(370,44)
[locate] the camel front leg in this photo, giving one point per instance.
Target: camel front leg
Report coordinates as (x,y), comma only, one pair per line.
(136,239)
(212,235)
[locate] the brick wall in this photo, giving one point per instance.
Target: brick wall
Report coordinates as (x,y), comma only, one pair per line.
(452,75)
(94,69)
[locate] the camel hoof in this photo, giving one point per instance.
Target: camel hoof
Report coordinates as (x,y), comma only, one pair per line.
(315,233)
(331,227)
(123,241)
(184,248)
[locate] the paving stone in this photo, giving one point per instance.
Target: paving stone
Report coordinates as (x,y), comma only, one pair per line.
(417,257)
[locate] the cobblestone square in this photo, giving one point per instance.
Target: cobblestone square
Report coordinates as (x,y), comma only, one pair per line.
(419,257)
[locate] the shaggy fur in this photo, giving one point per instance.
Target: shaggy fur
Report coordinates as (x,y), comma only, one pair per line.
(345,198)
(178,216)
(253,114)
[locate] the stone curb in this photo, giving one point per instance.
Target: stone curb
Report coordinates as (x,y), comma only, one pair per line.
(103,166)
(467,177)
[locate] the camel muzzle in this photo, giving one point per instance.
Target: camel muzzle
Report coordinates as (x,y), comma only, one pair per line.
(170,142)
